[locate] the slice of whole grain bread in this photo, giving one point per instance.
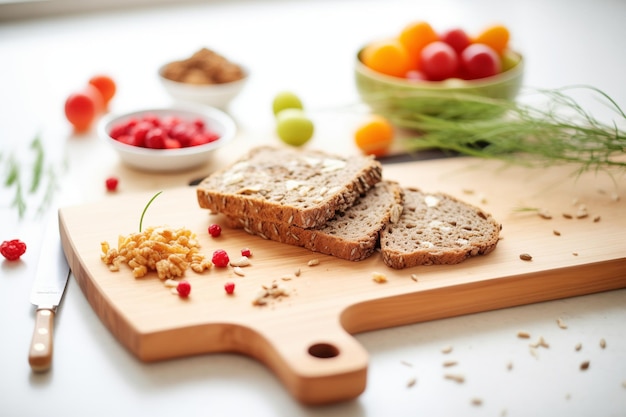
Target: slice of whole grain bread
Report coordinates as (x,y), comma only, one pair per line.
(289,186)
(352,234)
(436,228)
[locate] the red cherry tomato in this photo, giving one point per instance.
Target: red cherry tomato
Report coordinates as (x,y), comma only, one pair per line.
(457,39)
(439,61)
(81,108)
(479,61)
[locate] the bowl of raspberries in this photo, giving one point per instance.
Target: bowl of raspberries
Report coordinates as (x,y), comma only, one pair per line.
(174,138)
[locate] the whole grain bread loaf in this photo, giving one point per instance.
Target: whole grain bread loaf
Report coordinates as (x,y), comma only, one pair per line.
(436,228)
(352,234)
(289,186)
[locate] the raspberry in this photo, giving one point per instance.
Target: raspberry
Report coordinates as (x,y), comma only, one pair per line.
(246,252)
(111,184)
(183,288)
(229,287)
(220,258)
(215,230)
(12,249)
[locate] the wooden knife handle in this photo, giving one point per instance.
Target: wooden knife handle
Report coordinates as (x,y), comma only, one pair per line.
(40,353)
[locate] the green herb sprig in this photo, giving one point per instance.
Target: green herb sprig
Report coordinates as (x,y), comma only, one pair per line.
(558,130)
(146,209)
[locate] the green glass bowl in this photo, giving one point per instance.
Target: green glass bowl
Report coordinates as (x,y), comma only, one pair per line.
(393,96)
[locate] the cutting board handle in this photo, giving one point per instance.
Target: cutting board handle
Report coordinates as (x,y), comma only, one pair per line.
(319,363)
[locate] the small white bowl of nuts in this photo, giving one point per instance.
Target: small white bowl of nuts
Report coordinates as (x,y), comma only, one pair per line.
(206,77)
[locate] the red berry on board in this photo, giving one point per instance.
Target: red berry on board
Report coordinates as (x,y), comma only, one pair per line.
(12,249)
(246,252)
(111,184)
(220,258)
(229,287)
(183,288)
(215,230)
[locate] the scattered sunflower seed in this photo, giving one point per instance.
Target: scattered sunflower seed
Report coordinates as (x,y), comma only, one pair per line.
(509,366)
(578,347)
(556,233)
(238,271)
(455,377)
(575,253)
(533,351)
(568,216)
(523,335)
(446,350)
(596,219)
(602,343)
(411,382)
(243,261)
(405,363)
(297,272)
(525,257)
(448,364)
(477,401)
(313,262)
(379,278)
(170,283)
(544,214)
(584,366)
(561,323)
(414,277)
(540,343)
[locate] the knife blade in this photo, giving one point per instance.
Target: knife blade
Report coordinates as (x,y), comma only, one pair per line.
(51,279)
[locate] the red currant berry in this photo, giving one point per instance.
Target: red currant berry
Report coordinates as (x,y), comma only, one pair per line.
(215,230)
(220,258)
(246,252)
(111,184)
(183,288)
(229,287)
(12,249)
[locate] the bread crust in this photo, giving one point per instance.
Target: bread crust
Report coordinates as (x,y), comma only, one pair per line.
(352,235)
(289,186)
(437,229)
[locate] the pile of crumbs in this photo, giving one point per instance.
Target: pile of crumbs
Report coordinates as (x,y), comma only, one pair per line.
(169,252)
(203,67)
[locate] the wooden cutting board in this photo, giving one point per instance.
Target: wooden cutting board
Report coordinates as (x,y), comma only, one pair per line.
(305,337)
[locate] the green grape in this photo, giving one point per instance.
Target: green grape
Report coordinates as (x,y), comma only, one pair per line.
(286,100)
(294,127)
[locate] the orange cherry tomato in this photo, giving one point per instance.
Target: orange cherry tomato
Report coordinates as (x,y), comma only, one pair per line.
(414,37)
(106,85)
(496,37)
(375,136)
(387,57)
(82,108)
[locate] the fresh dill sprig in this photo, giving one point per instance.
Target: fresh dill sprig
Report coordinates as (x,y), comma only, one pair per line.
(558,130)
(39,164)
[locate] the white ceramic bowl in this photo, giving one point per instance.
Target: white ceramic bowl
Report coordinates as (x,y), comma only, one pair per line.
(169,160)
(215,95)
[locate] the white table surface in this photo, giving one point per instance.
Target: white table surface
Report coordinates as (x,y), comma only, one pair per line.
(308,47)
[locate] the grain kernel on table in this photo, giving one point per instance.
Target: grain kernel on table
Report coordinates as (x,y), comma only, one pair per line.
(525,257)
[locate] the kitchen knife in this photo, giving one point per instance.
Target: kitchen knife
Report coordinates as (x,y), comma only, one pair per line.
(53,273)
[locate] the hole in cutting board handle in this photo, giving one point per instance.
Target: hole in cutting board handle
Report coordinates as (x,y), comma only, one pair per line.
(323,350)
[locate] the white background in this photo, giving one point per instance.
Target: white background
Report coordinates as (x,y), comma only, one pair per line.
(308,47)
